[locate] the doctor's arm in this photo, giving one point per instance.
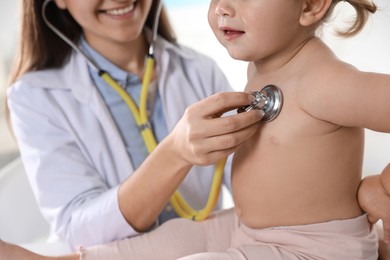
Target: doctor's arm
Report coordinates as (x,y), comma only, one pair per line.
(71,194)
(74,197)
(201,137)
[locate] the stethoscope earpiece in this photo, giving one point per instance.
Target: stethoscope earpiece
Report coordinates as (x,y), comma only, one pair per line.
(269,99)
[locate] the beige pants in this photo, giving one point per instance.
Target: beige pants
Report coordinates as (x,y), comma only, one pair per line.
(222,236)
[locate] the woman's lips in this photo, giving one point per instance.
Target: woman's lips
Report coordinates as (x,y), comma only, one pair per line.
(120,12)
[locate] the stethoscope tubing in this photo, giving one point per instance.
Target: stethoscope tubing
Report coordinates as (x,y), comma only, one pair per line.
(140,116)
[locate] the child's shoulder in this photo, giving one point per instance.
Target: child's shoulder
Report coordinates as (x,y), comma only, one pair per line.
(320,65)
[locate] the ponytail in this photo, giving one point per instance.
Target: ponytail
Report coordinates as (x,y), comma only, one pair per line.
(363,9)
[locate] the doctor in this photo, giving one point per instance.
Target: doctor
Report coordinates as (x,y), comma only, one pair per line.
(83,153)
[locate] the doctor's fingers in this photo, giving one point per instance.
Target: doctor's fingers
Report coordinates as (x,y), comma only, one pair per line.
(229,124)
(222,102)
(212,149)
(216,156)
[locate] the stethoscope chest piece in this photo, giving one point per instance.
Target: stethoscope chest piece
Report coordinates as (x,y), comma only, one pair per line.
(269,99)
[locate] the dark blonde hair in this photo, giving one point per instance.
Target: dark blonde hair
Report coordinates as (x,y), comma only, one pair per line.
(363,9)
(40,48)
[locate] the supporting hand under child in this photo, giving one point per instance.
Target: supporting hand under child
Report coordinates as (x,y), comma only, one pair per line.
(374,198)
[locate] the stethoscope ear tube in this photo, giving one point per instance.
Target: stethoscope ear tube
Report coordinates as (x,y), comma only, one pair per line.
(140,115)
(64,37)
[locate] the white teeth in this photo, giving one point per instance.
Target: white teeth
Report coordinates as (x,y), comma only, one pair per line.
(122,11)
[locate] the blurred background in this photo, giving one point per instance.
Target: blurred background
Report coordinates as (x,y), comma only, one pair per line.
(8,38)
(369,51)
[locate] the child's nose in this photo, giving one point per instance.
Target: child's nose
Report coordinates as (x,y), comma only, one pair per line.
(224,8)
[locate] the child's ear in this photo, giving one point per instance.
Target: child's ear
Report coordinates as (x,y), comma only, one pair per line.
(60,4)
(313,11)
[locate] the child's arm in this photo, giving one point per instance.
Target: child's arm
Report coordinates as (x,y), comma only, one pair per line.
(338,93)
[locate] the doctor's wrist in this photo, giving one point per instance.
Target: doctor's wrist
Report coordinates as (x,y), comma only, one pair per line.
(174,153)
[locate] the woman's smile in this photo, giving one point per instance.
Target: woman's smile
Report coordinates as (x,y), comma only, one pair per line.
(120,12)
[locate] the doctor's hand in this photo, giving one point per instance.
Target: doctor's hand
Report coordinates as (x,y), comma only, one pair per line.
(203,137)
(374,198)
(384,248)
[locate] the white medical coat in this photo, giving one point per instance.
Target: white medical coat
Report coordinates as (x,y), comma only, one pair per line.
(73,153)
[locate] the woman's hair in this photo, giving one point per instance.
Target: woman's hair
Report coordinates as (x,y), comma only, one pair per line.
(40,48)
(363,8)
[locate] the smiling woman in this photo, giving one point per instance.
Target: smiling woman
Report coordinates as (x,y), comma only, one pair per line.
(92,130)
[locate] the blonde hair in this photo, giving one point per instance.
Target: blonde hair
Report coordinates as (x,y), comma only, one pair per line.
(363,9)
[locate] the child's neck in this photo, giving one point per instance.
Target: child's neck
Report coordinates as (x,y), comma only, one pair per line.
(281,70)
(282,61)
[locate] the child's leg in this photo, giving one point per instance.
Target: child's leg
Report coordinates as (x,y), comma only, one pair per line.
(174,239)
(338,239)
(246,252)
(14,252)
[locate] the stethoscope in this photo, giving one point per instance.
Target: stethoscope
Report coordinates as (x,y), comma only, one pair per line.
(269,99)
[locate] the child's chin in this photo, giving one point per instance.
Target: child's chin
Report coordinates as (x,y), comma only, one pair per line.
(239,56)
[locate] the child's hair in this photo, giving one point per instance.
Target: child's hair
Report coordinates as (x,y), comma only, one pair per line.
(362,8)
(40,48)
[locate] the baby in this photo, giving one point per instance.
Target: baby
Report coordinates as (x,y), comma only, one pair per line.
(295,182)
